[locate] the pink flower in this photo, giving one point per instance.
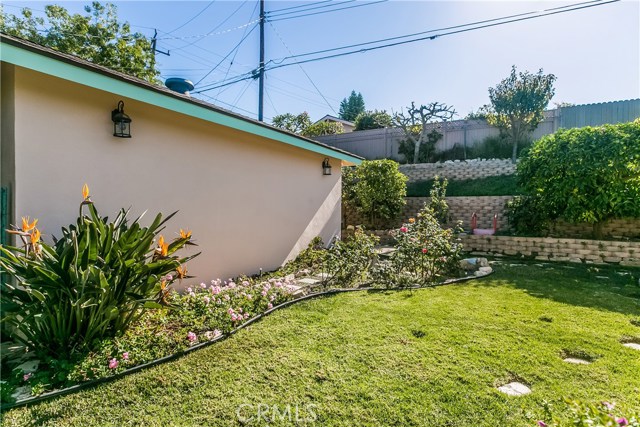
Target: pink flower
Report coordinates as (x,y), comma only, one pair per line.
(622,421)
(424,250)
(216,333)
(246,315)
(26,377)
(608,405)
(206,300)
(542,424)
(230,311)
(125,355)
(404,229)
(113,363)
(269,306)
(203,285)
(191,337)
(189,290)
(249,297)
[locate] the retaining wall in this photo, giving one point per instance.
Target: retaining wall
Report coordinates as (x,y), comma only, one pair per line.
(458,170)
(554,249)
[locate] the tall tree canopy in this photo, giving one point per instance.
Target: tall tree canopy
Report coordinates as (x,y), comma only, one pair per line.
(352,106)
(97,37)
(518,103)
(302,125)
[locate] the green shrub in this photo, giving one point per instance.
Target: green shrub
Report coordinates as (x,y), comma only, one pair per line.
(437,200)
(350,259)
(590,174)
(525,216)
(322,128)
(492,147)
(376,189)
(600,414)
(373,120)
(91,284)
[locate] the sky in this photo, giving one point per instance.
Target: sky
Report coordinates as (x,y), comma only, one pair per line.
(593,52)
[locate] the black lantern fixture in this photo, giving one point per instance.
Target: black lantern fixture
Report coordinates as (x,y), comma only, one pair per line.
(121,122)
(326,167)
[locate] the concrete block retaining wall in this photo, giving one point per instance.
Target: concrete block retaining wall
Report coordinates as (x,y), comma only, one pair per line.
(554,249)
(459,169)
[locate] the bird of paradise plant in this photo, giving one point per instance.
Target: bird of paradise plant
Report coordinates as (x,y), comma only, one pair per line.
(92,283)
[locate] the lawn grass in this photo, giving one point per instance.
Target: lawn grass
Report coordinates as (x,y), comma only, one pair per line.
(427,358)
(504,185)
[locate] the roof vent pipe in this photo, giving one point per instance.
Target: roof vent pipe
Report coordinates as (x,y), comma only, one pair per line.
(179,85)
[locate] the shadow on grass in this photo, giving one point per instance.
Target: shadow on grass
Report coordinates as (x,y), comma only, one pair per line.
(609,288)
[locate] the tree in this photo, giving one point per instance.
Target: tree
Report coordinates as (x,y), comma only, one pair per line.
(292,123)
(373,120)
(97,37)
(589,174)
(518,103)
(414,122)
(322,128)
(352,106)
(376,189)
(301,125)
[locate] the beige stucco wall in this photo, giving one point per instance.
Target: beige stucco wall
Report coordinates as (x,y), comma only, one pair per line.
(251,202)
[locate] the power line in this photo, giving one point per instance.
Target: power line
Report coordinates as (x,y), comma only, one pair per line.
(194,17)
(333,3)
(327,11)
(199,36)
(237,50)
(301,68)
(547,12)
(301,5)
(543,13)
(228,54)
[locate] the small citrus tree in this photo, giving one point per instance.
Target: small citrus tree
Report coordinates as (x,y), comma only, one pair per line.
(590,174)
(376,189)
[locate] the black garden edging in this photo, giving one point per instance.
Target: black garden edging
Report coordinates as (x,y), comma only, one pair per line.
(93,383)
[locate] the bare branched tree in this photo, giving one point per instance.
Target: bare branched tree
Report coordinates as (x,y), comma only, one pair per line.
(414,122)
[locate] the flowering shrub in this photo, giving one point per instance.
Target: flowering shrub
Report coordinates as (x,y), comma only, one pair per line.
(349,260)
(424,253)
(91,284)
(601,414)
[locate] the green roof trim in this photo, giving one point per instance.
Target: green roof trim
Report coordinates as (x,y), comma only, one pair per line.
(49,62)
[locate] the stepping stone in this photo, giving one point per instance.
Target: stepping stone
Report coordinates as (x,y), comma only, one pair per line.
(21,393)
(307,281)
(29,367)
(292,288)
(576,361)
(514,389)
(632,345)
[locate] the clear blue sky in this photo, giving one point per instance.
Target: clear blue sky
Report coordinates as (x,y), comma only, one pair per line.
(595,52)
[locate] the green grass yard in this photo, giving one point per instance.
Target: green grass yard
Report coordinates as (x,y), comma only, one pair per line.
(431,357)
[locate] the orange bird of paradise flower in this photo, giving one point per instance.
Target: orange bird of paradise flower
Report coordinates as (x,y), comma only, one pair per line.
(85,191)
(27,226)
(35,236)
(185,234)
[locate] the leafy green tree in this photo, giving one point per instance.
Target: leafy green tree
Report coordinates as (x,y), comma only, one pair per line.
(590,174)
(377,190)
(97,37)
(373,120)
(322,128)
(518,103)
(352,106)
(414,123)
(292,123)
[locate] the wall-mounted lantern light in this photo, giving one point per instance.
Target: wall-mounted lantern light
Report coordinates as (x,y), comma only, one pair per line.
(326,167)
(121,122)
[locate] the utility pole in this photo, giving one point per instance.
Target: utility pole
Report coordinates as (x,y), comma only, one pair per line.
(154,42)
(261,67)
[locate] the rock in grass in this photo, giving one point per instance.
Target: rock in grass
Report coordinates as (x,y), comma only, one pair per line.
(514,389)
